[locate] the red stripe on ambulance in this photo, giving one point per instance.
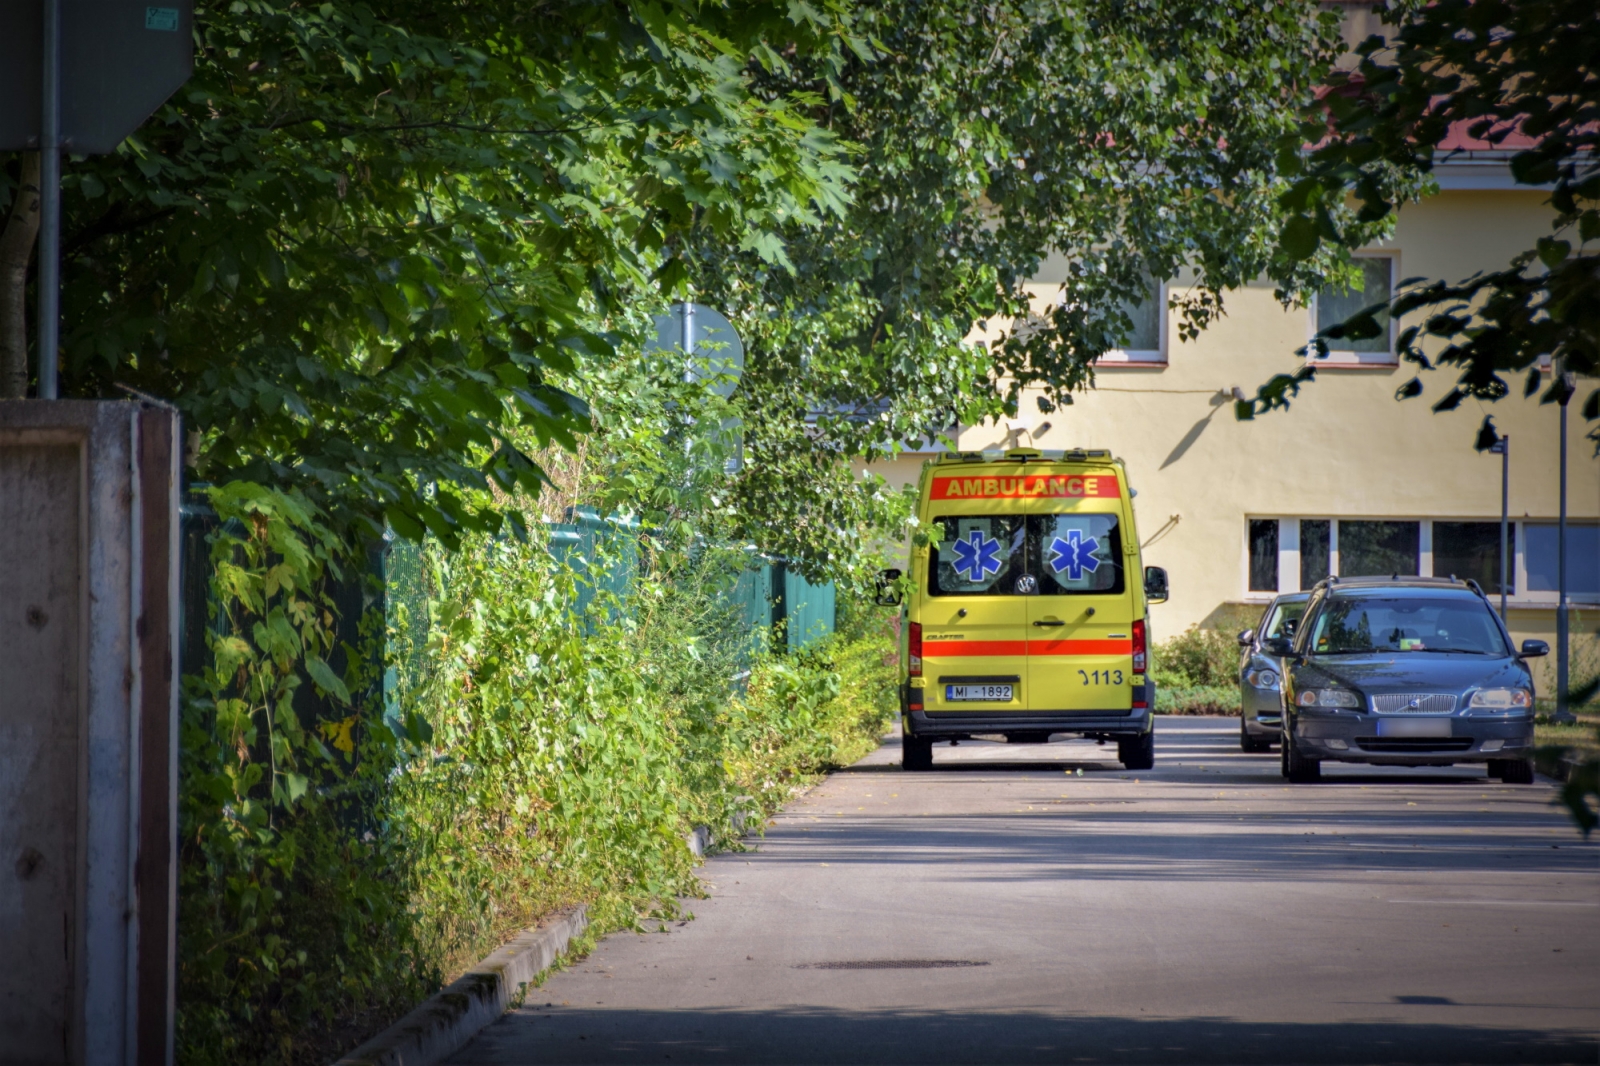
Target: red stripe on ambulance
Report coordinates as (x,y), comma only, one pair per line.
(981,648)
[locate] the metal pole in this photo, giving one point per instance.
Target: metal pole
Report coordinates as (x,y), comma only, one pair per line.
(1504,448)
(50,203)
(1562,714)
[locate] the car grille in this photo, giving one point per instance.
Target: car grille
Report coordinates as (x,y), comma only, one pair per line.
(1393,745)
(1426,703)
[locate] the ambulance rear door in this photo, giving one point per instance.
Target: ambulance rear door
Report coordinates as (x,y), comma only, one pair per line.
(1080,644)
(974,621)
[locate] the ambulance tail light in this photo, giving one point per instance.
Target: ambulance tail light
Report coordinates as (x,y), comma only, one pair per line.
(914,650)
(1140,653)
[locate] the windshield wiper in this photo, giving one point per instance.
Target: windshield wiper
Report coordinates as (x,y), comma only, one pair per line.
(1351,651)
(1451,651)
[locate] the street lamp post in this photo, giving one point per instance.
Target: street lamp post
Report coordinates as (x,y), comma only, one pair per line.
(1502,448)
(1568,385)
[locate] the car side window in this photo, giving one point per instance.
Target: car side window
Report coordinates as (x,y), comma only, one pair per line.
(1285,620)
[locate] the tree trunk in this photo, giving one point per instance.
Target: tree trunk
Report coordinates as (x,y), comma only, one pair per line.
(16,248)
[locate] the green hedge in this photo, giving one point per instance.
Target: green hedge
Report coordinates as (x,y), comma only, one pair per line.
(343,856)
(1197,672)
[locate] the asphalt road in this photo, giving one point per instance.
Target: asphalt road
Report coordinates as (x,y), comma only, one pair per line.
(999,909)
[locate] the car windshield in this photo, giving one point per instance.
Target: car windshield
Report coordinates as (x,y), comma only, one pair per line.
(1391,622)
(1283,620)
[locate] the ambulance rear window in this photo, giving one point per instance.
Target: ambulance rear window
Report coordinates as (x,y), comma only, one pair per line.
(1076,553)
(1028,555)
(979,555)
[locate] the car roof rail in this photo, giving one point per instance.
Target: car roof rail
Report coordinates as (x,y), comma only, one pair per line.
(1369,581)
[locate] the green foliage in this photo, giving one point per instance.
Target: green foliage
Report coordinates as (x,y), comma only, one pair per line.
(571,755)
(1113,140)
(377,253)
(1196,657)
(1196,672)
(287,909)
(341,857)
(357,245)
(1514,75)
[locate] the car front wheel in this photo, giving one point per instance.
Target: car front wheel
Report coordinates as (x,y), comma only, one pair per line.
(1296,767)
(1512,771)
(1254,745)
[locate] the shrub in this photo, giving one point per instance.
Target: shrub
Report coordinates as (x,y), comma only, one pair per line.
(1196,657)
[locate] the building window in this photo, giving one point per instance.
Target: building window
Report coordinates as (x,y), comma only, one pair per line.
(1146,342)
(1314,554)
(1543,558)
(1335,305)
(1263,555)
(1316,548)
(1471,550)
(1374,549)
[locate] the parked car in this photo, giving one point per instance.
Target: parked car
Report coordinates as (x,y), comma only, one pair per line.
(1260,673)
(1405,671)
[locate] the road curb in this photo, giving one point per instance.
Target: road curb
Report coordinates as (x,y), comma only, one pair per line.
(454,1015)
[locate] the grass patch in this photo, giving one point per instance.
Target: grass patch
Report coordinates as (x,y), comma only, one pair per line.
(1581,738)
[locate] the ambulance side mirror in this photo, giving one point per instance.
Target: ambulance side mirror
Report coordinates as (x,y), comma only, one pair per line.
(1155,584)
(887,595)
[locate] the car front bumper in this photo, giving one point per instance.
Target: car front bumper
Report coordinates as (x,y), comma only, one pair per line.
(1358,737)
(1261,722)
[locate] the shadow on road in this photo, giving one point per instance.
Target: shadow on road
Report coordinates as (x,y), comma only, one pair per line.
(791,1035)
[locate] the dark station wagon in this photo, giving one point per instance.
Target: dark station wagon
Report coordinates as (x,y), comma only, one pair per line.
(1405,671)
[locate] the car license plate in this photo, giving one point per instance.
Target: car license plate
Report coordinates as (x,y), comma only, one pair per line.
(981,693)
(1413,727)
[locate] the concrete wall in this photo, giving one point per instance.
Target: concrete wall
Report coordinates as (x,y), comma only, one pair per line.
(88,716)
(1346,449)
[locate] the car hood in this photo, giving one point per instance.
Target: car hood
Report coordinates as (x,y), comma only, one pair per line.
(1412,672)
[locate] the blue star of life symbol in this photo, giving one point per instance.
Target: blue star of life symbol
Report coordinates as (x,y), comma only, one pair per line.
(1074,555)
(977,556)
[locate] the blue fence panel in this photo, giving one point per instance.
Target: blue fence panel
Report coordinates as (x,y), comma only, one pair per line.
(808,609)
(603,553)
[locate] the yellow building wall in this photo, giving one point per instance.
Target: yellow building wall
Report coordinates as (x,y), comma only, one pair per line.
(1345,449)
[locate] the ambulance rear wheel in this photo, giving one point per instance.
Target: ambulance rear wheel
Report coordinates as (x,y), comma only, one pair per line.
(916,753)
(1138,753)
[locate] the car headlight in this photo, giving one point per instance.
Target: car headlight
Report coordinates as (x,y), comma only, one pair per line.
(1327,697)
(1500,699)
(1267,679)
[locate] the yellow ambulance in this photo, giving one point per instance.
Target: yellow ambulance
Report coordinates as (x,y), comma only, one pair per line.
(1029,616)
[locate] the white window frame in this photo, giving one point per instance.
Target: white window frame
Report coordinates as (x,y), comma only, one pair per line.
(1289,554)
(1156,357)
(1347,358)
